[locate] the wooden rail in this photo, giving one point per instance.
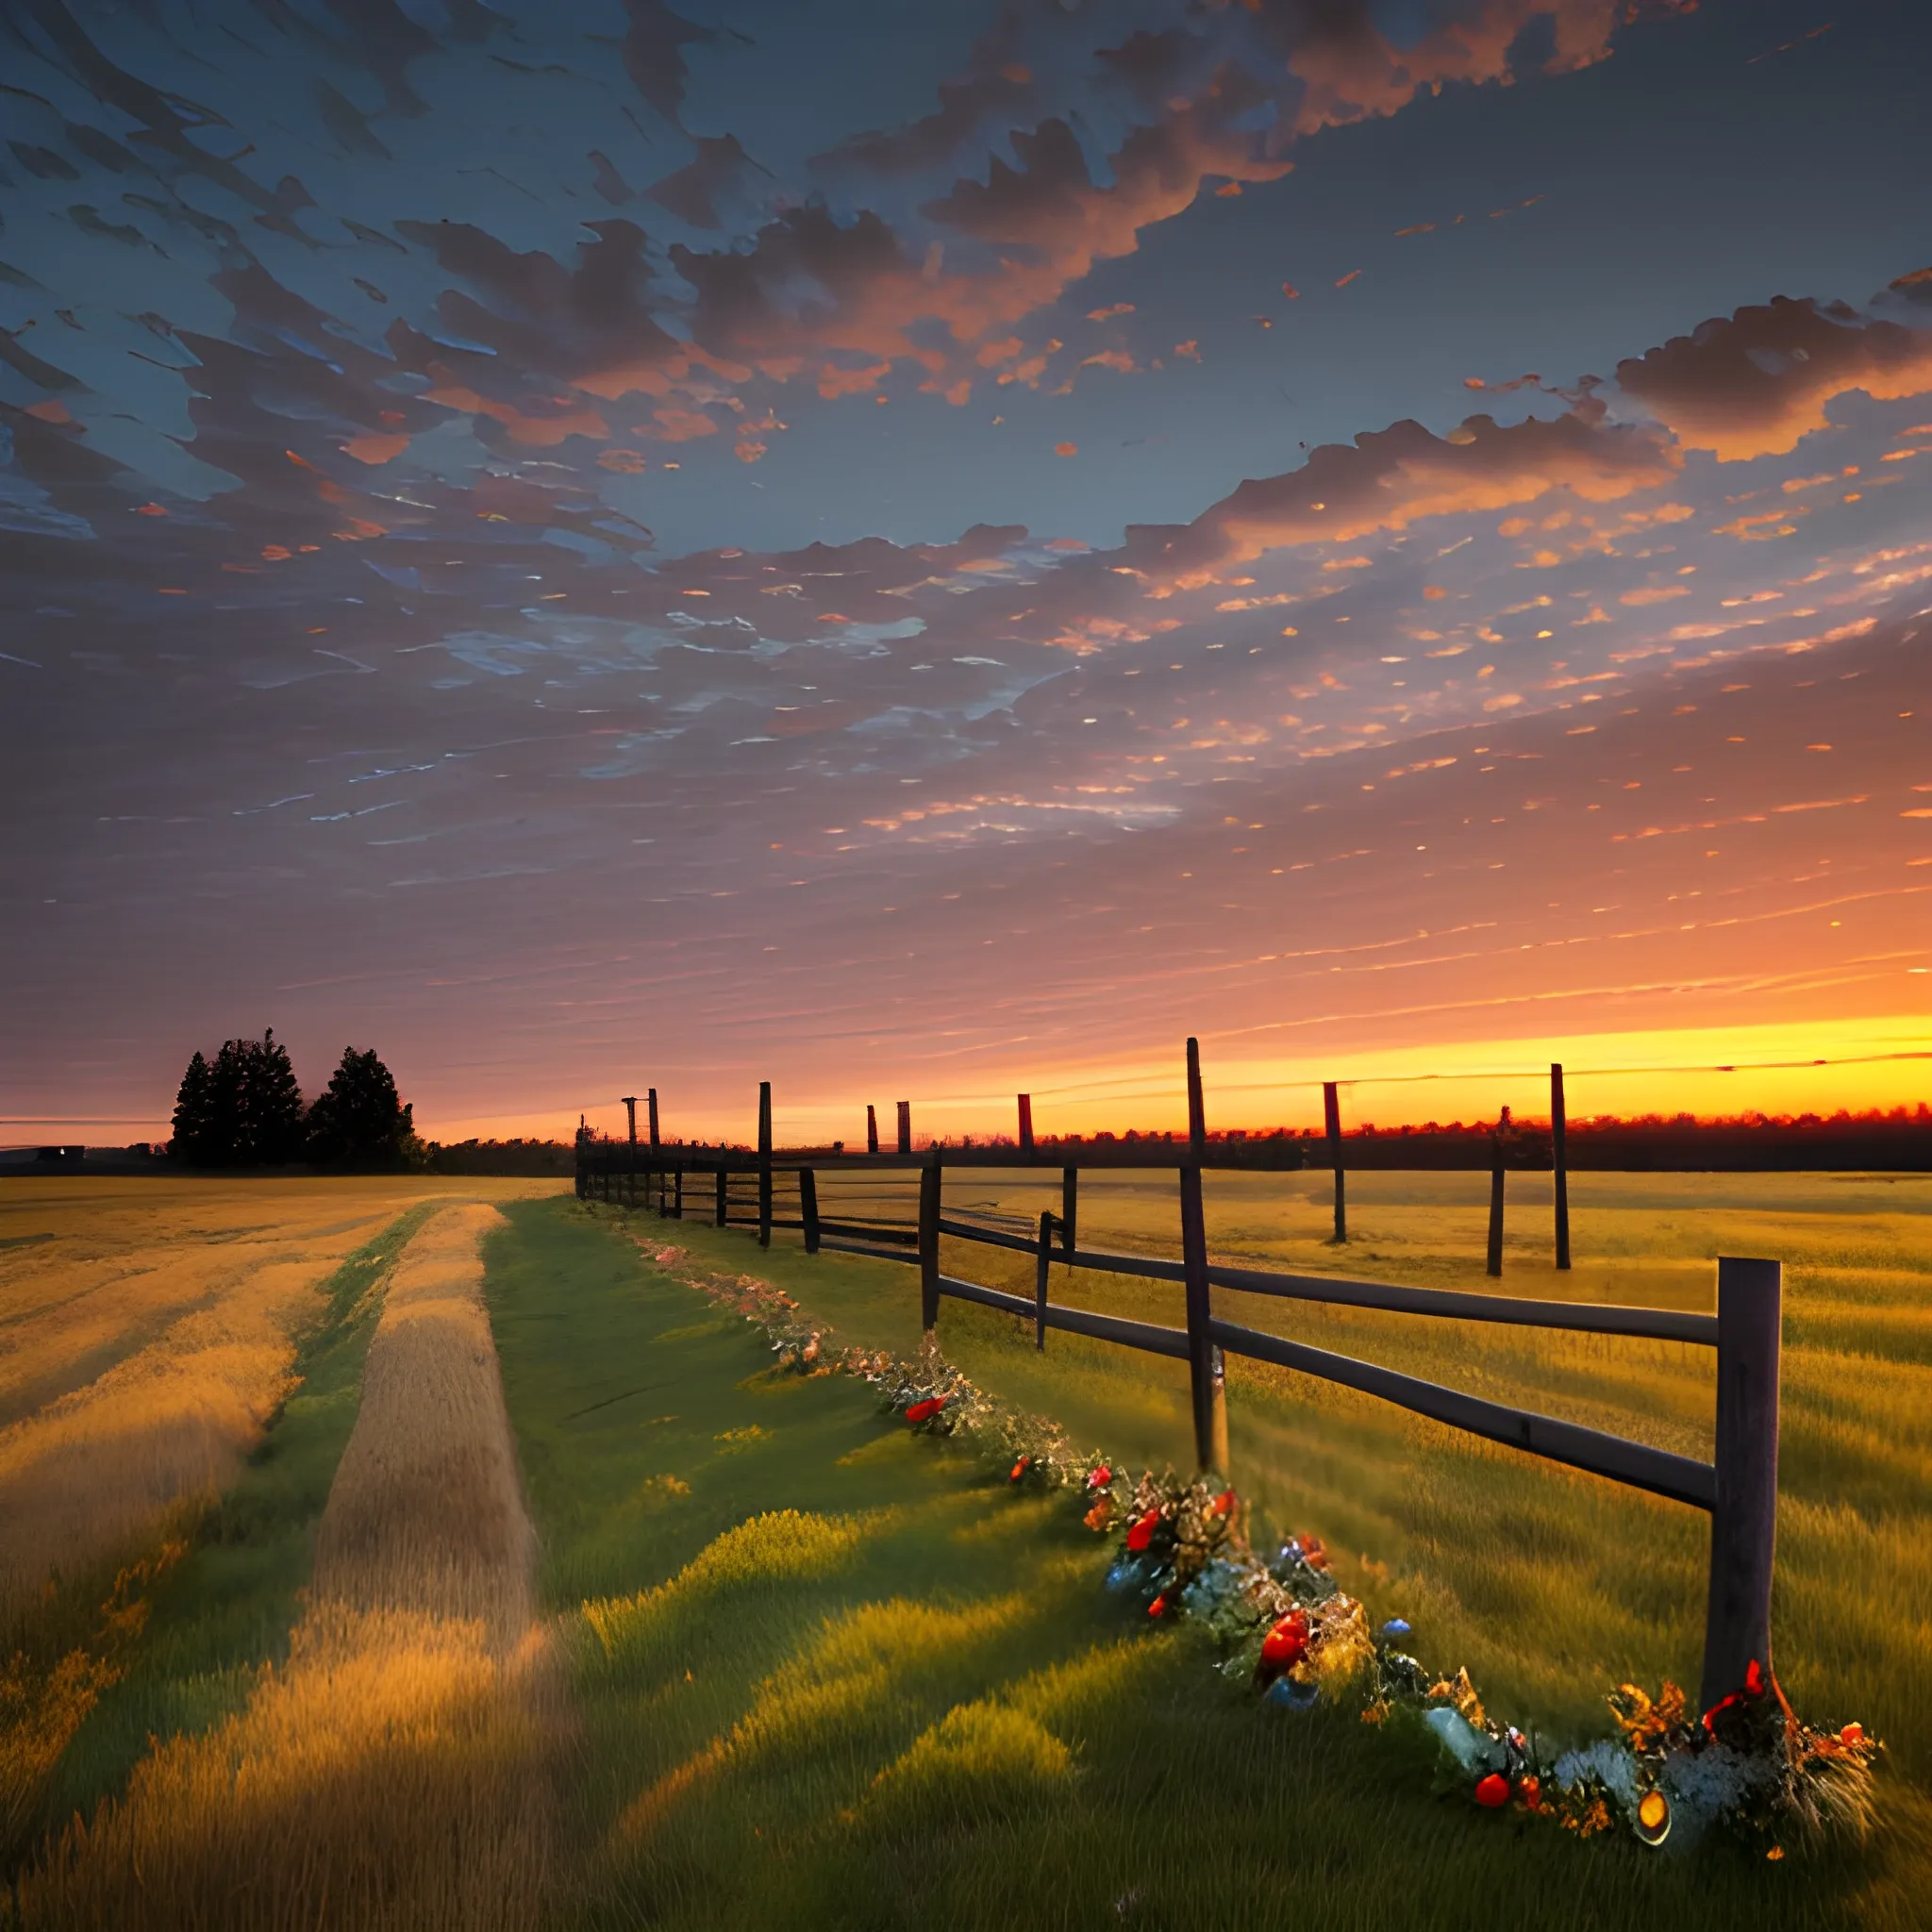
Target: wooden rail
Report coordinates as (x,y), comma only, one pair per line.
(1738,1487)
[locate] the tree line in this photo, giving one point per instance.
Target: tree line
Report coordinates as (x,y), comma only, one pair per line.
(245,1109)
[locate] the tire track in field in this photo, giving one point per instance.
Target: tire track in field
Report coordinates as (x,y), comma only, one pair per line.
(396,1771)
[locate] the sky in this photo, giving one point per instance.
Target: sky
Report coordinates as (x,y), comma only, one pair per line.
(933,552)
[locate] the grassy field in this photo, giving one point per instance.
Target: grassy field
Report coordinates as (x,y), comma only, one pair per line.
(788,1664)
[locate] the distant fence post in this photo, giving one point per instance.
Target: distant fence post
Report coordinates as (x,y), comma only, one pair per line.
(872,1128)
(905,1127)
(1070,1212)
(677,1194)
(764,1163)
(1207,1372)
(630,1107)
(1743,1524)
(723,1194)
(656,1172)
(1495,1254)
(1039,1278)
(808,1208)
(1560,1130)
(929,1239)
(1331,1120)
(1026,1123)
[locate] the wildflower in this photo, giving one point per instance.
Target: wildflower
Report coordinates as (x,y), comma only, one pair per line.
(1140,1533)
(1099,1477)
(923,1411)
(1492,1793)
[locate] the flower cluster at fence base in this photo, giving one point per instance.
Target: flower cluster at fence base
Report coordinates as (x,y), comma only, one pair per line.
(1284,1626)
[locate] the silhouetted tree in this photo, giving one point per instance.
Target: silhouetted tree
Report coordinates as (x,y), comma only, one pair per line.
(245,1110)
(360,1120)
(193,1138)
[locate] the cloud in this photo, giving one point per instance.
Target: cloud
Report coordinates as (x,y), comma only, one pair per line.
(1387,479)
(1754,383)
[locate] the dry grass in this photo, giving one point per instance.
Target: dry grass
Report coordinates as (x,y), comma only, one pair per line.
(394,1771)
(145,1339)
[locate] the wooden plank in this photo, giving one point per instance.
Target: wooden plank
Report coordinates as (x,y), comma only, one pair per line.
(764,1163)
(1585,1318)
(1331,1120)
(1207,1374)
(1041,1266)
(1146,1336)
(1636,1464)
(1743,1523)
(929,1243)
(872,1231)
(874,1254)
(1559,1130)
(1494,1262)
(808,1208)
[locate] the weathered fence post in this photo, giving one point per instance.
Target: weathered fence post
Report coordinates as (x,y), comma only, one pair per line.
(905,1127)
(678,1193)
(630,1107)
(1495,1254)
(1206,1373)
(723,1194)
(808,1208)
(1331,1120)
(1743,1524)
(657,1172)
(1559,1156)
(764,1163)
(928,1236)
(872,1128)
(1070,1212)
(1039,1278)
(1026,1123)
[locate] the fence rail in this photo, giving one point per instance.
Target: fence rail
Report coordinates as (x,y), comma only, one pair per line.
(1738,1487)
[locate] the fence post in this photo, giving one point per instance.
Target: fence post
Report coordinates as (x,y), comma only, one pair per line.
(724,1196)
(764,1163)
(678,1193)
(1206,1373)
(928,1240)
(1070,1212)
(1039,1279)
(1743,1525)
(1331,1120)
(656,1173)
(808,1208)
(872,1128)
(1495,1254)
(1026,1123)
(905,1127)
(1559,1131)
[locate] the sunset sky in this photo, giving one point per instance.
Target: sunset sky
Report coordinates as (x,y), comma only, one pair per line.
(923,551)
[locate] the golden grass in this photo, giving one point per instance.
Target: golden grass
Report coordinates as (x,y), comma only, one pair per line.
(395,1770)
(145,1339)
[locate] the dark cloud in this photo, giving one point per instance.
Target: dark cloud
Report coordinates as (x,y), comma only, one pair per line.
(1751,384)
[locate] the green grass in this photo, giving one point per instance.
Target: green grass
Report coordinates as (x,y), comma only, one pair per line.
(913,1701)
(229,1605)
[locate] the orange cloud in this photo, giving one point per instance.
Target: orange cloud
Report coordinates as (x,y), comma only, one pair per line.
(1754,383)
(1388,479)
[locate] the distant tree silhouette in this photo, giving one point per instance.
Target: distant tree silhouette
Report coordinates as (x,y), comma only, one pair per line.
(193,1138)
(245,1110)
(360,1120)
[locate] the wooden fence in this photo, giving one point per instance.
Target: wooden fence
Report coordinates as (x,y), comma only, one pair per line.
(1739,1489)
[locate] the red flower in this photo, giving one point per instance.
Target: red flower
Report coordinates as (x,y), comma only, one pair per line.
(1851,1736)
(1286,1644)
(1531,1791)
(1313,1555)
(1020,1469)
(1155,1608)
(922,1412)
(1492,1793)
(1141,1531)
(1223,1503)
(1099,1477)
